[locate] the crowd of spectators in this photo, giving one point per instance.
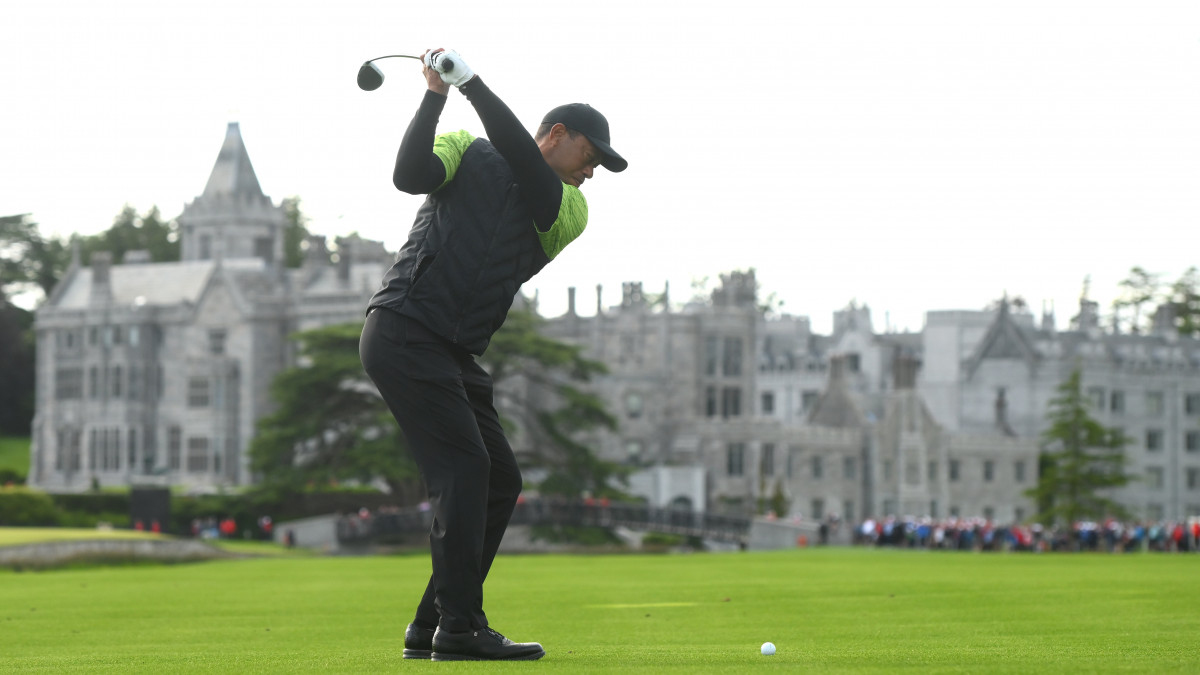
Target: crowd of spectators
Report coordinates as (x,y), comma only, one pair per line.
(227,528)
(360,523)
(979,534)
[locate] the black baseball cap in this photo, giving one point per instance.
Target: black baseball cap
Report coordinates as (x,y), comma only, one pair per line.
(588,121)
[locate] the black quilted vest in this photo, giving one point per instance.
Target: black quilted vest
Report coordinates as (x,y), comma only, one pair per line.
(472,246)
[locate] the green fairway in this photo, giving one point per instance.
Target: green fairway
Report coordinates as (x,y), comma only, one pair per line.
(14,454)
(832,610)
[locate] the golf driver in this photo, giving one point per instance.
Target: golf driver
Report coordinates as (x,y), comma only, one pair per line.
(370,77)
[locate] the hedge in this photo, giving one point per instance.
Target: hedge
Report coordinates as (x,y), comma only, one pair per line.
(22,507)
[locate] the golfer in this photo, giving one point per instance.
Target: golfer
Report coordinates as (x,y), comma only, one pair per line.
(498,209)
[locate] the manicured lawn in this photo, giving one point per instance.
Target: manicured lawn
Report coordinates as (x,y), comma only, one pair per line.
(14,454)
(827,611)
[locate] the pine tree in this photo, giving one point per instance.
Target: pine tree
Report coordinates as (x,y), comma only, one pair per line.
(1081,460)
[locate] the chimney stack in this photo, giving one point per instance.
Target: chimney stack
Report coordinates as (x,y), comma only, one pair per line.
(101,262)
(837,368)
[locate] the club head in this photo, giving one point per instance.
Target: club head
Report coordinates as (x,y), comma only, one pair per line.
(369,77)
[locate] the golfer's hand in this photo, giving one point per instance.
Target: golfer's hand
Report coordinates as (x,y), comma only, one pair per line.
(432,77)
(454,70)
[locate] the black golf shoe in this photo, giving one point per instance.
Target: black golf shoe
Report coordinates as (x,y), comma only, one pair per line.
(483,644)
(418,642)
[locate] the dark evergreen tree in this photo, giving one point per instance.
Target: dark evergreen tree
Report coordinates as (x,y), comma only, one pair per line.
(1080,461)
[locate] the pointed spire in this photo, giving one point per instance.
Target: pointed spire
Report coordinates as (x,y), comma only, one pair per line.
(836,406)
(233,174)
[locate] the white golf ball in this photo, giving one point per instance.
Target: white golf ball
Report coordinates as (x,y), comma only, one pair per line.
(768,649)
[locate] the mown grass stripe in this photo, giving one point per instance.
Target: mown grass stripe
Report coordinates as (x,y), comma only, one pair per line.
(830,610)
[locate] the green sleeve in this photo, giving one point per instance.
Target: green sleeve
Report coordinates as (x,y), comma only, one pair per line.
(450,148)
(572,218)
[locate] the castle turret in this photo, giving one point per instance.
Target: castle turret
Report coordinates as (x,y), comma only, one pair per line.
(232,218)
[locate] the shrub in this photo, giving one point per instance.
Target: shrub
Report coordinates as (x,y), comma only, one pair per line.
(89,509)
(89,520)
(575,535)
(659,539)
(24,507)
(92,502)
(201,507)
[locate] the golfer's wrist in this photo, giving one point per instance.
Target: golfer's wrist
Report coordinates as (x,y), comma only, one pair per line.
(467,86)
(434,101)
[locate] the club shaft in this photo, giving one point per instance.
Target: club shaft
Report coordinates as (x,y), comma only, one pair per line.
(393,56)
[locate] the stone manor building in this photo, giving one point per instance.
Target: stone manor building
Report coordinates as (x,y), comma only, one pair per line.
(157,373)
(944,422)
(771,414)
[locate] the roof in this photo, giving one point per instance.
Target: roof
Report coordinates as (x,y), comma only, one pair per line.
(1007,339)
(233,174)
(326,281)
(150,284)
(905,411)
(837,407)
(1003,340)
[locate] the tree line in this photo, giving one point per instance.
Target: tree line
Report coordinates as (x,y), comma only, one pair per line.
(1150,298)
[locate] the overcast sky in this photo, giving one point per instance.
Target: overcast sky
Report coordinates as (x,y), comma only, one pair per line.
(908,155)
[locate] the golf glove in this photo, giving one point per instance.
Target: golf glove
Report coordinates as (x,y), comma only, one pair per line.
(450,66)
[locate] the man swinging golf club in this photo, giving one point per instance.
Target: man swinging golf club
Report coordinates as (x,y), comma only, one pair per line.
(498,209)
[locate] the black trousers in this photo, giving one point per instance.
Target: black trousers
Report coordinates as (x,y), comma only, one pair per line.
(442,400)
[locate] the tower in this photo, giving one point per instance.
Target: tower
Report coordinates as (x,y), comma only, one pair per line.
(232,218)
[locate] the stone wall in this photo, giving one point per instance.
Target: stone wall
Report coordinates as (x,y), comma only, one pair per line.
(57,553)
